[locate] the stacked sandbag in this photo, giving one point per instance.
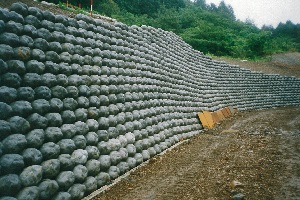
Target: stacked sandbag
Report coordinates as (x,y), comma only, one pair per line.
(83,101)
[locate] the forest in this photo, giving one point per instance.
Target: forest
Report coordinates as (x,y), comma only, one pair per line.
(209,28)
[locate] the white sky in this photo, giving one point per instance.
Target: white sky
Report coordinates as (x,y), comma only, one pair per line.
(268,12)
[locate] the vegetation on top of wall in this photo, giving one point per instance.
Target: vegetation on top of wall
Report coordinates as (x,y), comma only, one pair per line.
(209,28)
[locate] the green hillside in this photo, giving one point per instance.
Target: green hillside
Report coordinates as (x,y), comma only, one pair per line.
(212,29)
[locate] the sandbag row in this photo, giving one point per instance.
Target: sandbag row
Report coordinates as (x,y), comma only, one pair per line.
(83,101)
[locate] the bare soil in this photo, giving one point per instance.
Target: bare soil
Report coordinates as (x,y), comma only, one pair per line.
(286,64)
(255,153)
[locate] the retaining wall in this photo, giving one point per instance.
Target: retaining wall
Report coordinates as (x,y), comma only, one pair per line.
(83,101)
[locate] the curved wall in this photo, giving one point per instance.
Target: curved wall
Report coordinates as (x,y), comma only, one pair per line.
(83,101)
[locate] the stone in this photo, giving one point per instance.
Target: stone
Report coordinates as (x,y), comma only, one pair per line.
(131,162)
(79,141)
(68,130)
(105,161)
(72,91)
(4,129)
(11,163)
(91,138)
(26,41)
(29,193)
(9,185)
(115,157)
(31,175)
(3,65)
(50,150)
(32,156)
(51,168)
(41,43)
(48,188)
(238,196)
(80,173)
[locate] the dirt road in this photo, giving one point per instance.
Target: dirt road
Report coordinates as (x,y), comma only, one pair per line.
(253,154)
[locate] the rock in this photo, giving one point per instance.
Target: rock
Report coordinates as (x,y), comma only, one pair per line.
(105,162)
(236,184)
(59,92)
(31,175)
(238,196)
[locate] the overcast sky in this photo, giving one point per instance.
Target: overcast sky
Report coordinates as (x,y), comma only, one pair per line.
(269,12)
